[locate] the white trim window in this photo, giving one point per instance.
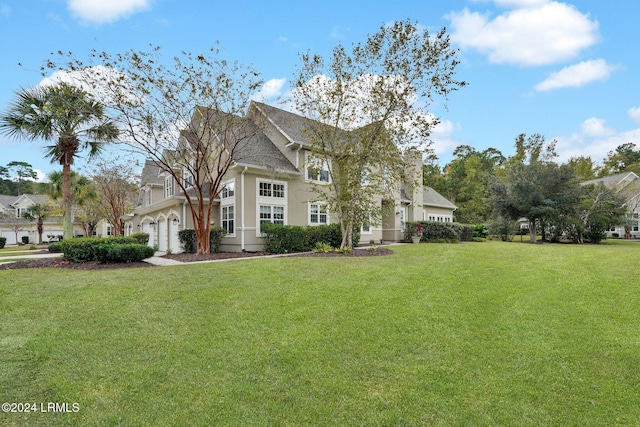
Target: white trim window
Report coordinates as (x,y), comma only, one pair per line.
(229,190)
(271,213)
(271,189)
(228,219)
(366,229)
(318,214)
(168,187)
(228,207)
(316,170)
(147,196)
(271,202)
(187,178)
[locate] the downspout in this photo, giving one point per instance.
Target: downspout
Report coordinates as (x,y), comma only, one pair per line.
(242,207)
(298,156)
(183,223)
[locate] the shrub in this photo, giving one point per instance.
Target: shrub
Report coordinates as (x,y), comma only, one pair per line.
(84,249)
(434,231)
(322,247)
(3,241)
(480,230)
(215,238)
(189,242)
(33,247)
(55,247)
(142,238)
(128,252)
(294,238)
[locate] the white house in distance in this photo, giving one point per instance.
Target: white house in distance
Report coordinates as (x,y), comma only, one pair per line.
(271,184)
(626,184)
(13,224)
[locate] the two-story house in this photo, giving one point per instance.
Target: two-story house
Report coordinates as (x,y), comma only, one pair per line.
(272,182)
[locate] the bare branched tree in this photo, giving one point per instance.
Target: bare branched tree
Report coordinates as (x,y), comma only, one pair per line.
(189,117)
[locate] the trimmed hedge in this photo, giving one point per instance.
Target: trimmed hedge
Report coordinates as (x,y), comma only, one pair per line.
(83,249)
(3,241)
(280,239)
(189,242)
(142,238)
(128,252)
(434,231)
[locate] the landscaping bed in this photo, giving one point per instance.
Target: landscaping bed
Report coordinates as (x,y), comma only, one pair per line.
(60,263)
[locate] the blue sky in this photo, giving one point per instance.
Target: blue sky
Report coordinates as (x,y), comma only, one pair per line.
(566,69)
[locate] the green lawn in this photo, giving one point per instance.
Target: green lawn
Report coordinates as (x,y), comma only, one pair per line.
(483,334)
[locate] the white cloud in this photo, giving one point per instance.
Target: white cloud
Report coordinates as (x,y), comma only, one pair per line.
(577,75)
(269,90)
(443,138)
(104,12)
(542,33)
(634,113)
(595,127)
(594,140)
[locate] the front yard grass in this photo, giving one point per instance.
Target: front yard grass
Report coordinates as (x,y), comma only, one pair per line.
(464,334)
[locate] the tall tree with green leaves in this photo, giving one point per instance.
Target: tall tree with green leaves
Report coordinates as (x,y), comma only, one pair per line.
(371,109)
(625,158)
(23,171)
(66,115)
(467,181)
(533,186)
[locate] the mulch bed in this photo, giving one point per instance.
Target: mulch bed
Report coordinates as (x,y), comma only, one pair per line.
(60,263)
(94,265)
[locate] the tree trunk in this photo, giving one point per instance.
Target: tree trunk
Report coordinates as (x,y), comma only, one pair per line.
(67,220)
(202,227)
(532,231)
(40,230)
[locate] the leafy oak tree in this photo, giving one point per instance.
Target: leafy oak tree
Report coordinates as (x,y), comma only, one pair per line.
(370,105)
(533,186)
(189,117)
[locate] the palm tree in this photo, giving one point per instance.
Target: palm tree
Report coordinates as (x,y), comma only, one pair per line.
(38,213)
(69,116)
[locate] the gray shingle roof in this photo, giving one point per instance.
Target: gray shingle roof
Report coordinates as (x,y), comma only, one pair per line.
(7,201)
(254,148)
(260,151)
(150,173)
(432,198)
(293,126)
(612,181)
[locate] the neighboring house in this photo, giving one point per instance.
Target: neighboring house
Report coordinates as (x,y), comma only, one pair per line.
(12,210)
(626,184)
(271,184)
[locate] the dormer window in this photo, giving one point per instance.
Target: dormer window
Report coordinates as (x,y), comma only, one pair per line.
(229,190)
(168,187)
(147,196)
